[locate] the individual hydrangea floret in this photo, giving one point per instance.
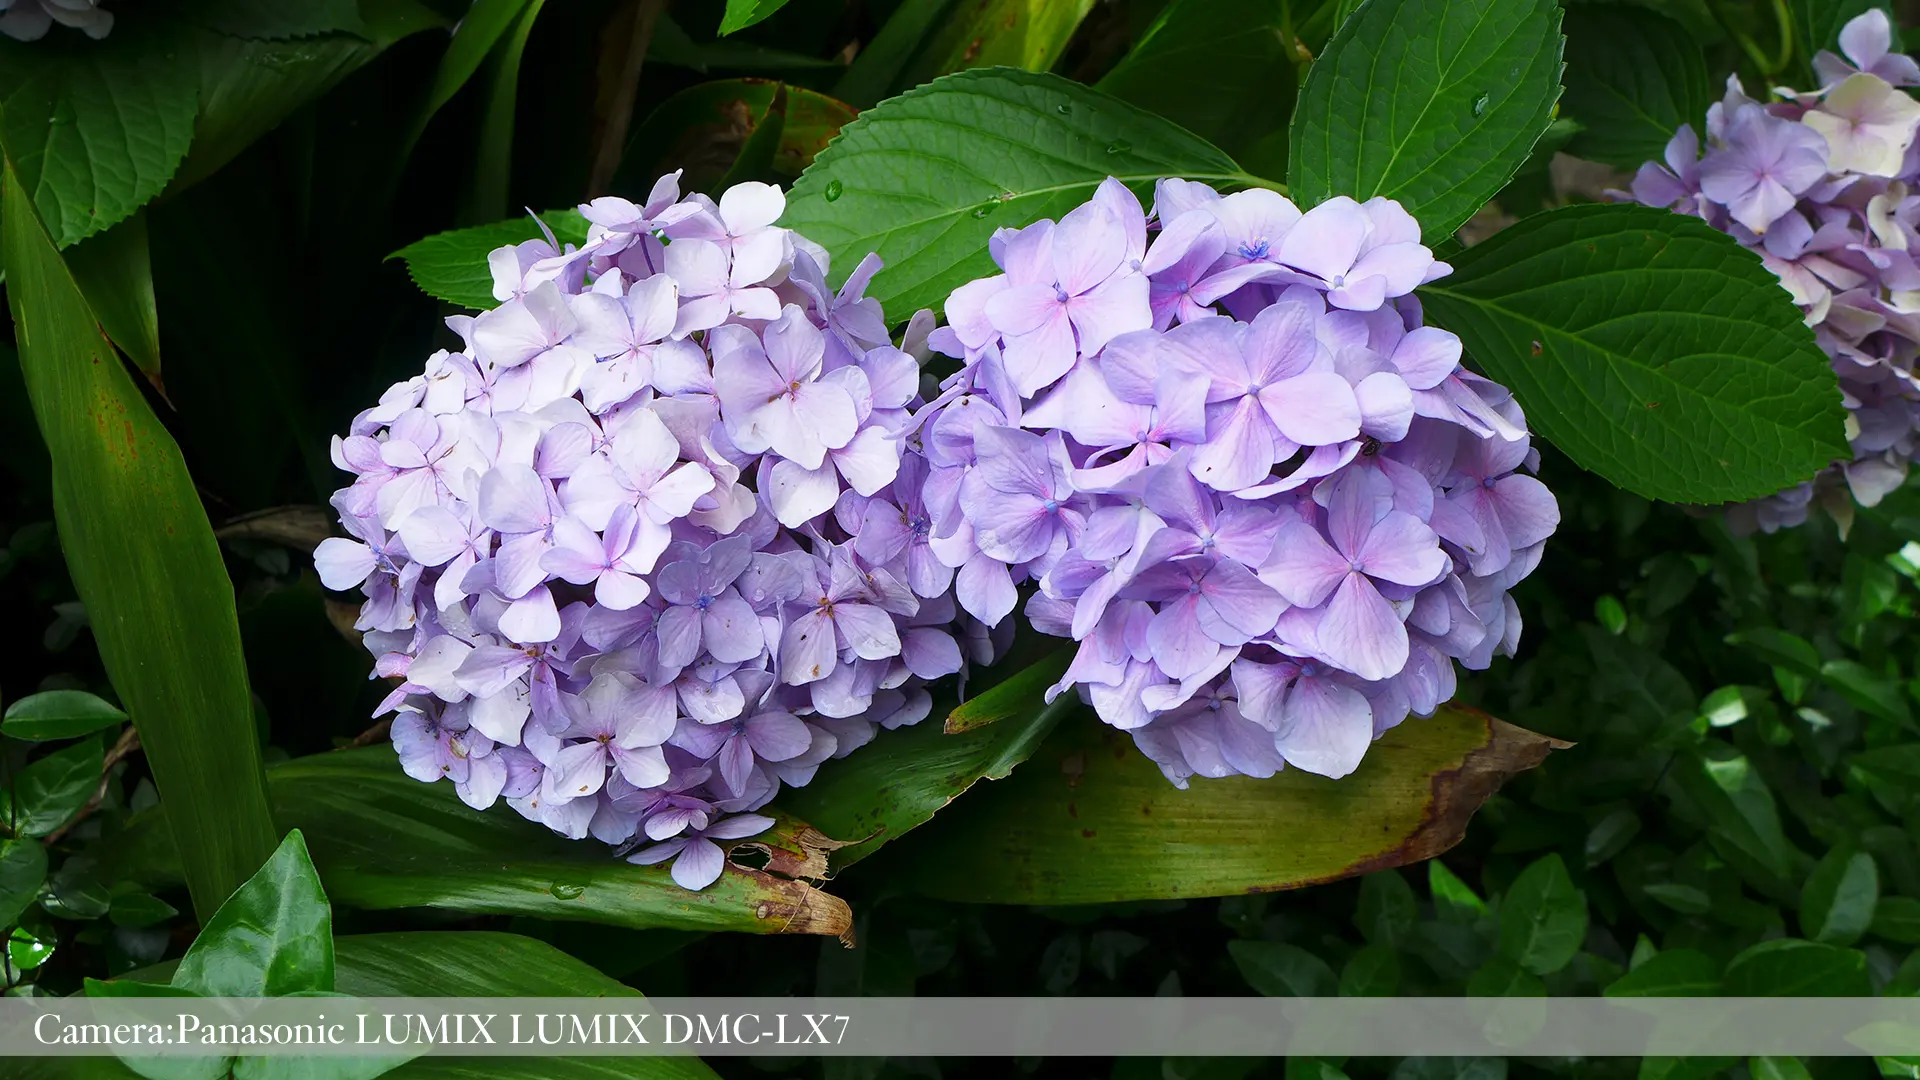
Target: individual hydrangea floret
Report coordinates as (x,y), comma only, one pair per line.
(1821,186)
(1269,504)
(643,550)
(29,20)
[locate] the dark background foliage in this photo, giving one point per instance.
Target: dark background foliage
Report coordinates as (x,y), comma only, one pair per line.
(1738,811)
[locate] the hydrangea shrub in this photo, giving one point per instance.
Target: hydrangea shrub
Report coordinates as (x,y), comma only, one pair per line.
(1268,502)
(1818,184)
(609,547)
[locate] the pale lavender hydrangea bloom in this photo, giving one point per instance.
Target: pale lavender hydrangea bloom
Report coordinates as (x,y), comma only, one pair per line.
(613,548)
(1822,187)
(1268,503)
(29,20)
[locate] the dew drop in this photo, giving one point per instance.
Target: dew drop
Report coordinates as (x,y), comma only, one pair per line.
(1480,105)
(566,890)
(1119,147)
(833,190)
(1063,110)
(982,211)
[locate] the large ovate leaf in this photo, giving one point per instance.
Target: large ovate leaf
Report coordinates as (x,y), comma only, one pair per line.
(273,936)
(1670,973)
(1089,819)
(1838,901)
(453,265)
(1223,69)
(96,129)
(23,868)
(383,840)
(53,788)
(1649,348)
(903,778)
(741,14)
(1433,103)
(143,558)
(925,178)
(1633,77)
(1029,34)
(1543,918)
(1791,967)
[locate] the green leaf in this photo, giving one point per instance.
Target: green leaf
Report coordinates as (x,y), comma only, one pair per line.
(116,276)
(704,128)
(55,787)
(1898,765)
(142,555)
(1777,1068)
(1222,69)
(452,266)
(1839,898)
(1897,918)
(1453,900)
(1789,967)
(1744,823)
(382,840)
(900,780)
(59,714)
(273,936)
(1027,34)
(248,87)
(23,869)
(95,129)
(925,178)
(1277,969)
(1501,977)
(1649,348)
(138,910)
(741,14)
(1778,647)
(1684,899)
(876,68)
(1387,908)
(493,157)
(1434,103)
(1870,691)
(273,19)
(212,1067)
(1610,835)
(1019,694)
(1372,971)
(1543,918)
(1671,973)
(1633,77)
(1091,820)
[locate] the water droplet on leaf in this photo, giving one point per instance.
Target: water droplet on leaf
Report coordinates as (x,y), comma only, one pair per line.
(983,211)
(1063,110)
(566,890)
(1119,147)
(833,190)
(1480,105)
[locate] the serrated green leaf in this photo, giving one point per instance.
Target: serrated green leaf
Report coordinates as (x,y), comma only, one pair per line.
(1790,967)
(1633,77)
(1277,969)
(925,178)
(1222,69)
(54,788)
(452,266)
(272,19)
(273,936)
(1543,917)
(59,714)
(1838,901)
(23,869)
(741,14)
(1670,973)
(1433,103)
(95,129)
(1649,348)
(143,557)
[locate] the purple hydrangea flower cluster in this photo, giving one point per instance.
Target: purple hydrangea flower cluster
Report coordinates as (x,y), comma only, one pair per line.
(638,552)
(1822,186)
(1268,502)
(29,20)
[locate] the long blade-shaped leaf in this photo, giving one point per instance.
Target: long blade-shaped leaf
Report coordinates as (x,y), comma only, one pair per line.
(383,840)
(1090,820)
(116,276)
(143,557)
